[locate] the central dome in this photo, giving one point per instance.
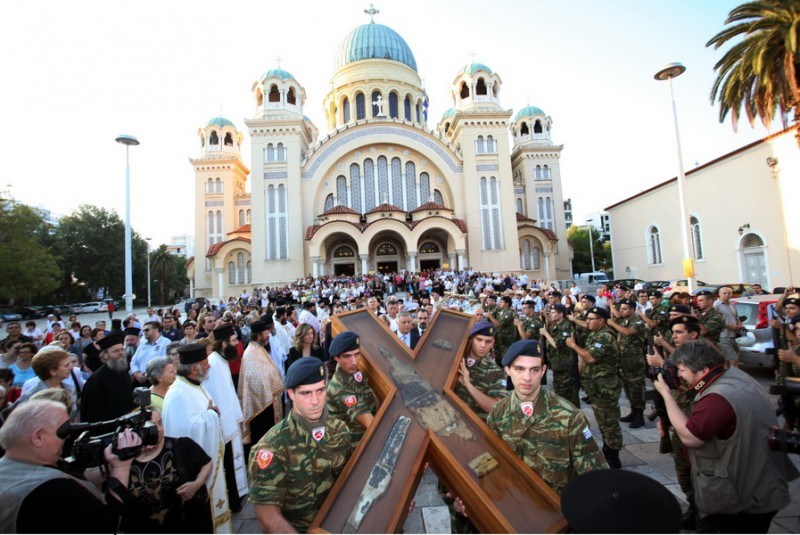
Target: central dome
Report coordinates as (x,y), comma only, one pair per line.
(374,41)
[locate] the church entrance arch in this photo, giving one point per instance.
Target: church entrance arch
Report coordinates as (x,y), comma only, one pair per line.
(388,252)
(341,252)
(432,250)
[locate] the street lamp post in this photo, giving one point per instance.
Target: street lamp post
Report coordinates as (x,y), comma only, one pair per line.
(128,140)
(148,272)
(668,72)
(591,247)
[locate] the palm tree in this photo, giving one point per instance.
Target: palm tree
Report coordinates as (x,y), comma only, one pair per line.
(162,265)
(760,73)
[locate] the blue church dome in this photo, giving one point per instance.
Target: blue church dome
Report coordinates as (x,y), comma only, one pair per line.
(280,73)
(528,111)
(374,41)
(472,68)
(220,122)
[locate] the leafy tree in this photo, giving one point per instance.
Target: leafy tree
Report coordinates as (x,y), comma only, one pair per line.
(169,271)
(27,267)
(581,261)
(760,73)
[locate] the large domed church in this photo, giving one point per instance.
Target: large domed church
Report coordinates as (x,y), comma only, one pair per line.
(378,191)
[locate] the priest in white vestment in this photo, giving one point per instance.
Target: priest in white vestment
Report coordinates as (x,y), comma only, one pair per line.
(190,412)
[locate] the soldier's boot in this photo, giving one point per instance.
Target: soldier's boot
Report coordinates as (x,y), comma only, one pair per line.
(612,457)
(689,521)
(638,419)
(629,418)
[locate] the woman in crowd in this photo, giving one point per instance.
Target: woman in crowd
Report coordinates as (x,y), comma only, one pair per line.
(22,367)
(86,336)
(67,341)
(189,332)
(53,367)
(304,345)
(161,374)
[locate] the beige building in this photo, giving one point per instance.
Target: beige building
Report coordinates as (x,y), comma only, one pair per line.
(379,192)
(743,217)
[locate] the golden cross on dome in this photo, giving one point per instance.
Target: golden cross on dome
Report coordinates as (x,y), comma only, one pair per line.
(372,11)
(278,61)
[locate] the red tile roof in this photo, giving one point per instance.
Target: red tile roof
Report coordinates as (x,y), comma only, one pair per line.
(385,207)
(340,209)
(521,217)
(214,249)
(431,206)
(241,230)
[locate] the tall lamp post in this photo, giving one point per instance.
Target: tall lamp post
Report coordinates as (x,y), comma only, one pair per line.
(668,72)
(591,247)
(128,141)
(148,272)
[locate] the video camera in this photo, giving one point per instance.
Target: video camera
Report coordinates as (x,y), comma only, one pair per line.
(93,438)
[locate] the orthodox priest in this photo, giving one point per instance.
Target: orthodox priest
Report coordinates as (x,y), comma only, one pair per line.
(108,393)
(220,386)
(190,412)
(260,386)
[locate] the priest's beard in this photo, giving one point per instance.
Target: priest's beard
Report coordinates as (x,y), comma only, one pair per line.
(230,353)
(117,365)
(202,375)
(129,352)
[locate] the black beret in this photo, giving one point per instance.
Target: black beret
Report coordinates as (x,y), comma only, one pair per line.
(491,296)
(626,302)
(529,303)
(223,332)
(704,292)
(684,320)
(527,348)
(259,326)
(680,309)
(558,307)
(483,328)
(111,340)
(344,342)
(589,297)
(305,371)
(133,331)
(655,293)
(91,350)
(192,353)
(599,311)
(116,324)
(619,501)
(791,301)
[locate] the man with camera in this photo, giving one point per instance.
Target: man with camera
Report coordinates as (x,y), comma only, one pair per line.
(739,483)
(37,496)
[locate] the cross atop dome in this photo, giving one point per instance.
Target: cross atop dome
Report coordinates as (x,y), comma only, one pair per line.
(372,11)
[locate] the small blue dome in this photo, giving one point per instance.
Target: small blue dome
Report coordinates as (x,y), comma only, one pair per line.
(528,111)
(449,113)
(374,41)
(220,122)
(472,68)
(280,73)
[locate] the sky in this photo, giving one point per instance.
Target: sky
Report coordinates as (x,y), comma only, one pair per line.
(77,74)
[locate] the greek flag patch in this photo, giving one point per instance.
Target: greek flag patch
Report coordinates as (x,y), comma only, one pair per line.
(598,345)
(504,383)
(586,433)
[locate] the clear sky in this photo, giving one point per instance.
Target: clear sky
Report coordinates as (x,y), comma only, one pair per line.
(76,74)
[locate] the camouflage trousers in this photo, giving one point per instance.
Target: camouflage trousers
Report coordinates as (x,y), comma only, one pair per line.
(501,344)
(682,469)
(604,393)
(632,371)
(566,385)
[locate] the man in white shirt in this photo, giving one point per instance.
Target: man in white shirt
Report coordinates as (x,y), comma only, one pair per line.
(154,345)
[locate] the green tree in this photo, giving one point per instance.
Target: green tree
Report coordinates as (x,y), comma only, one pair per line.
(581,261)
(169,271)
(27,267)
(760,73)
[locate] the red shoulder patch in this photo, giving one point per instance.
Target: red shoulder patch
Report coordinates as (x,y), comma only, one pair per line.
(350,401)
(264,459)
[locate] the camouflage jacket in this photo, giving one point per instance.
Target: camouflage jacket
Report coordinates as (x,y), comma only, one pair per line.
(347,398)
(486,376)
(532,326)
(506,329)
(581,332)
(551,436)
(660,315)
(632,345)
(295,471)
(714,321)
(603,347)
(561,357)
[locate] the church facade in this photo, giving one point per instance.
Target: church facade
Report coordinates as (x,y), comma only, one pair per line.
(379,192)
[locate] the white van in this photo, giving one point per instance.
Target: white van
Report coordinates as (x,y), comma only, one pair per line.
(595,277)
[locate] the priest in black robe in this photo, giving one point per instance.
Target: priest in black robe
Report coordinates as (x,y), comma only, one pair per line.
(108,393)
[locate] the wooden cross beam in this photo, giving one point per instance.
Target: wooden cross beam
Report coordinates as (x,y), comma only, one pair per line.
(444,432)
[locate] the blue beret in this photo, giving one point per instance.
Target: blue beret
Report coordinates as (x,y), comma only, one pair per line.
(704,292)
(589,297)
(599,311)
(527,348)
(626,302)
(305,371)
(483,327)
(655,293)
(344,342)
(680,309)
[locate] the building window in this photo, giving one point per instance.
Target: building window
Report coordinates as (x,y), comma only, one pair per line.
(393,105)
(240,268)
(479,145)
(490,146)
(218,184)
(210,186)
(545,212)
(437,197)
(490,213)
(280,153)
(546,173)
(536,260)
(396,179)
(274,94)
(213,138)
(407,108)
(519,205)
(537,127)
(355,187)
(697,239)
(344,251)
(346,109)
(361,107)
(525,255)
(341,190)
(249,272)
(653,245)
(386,249)
(523,129)
(277,223)
(424,188)
(241,218)
(290,97)
(411,186)
(269,152)
(383,180)
(231,274)
(480,87)
(370,187)
(429,248)
(328,202)
(464,90)
(537,172)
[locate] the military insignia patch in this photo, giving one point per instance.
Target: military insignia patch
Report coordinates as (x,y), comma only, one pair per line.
(358,376)
(322,371)
(263,459)
(318,433)
(587,434)
(527,407)
(470,362)
(350,401)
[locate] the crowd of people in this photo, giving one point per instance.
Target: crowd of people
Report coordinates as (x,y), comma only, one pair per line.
(250,396)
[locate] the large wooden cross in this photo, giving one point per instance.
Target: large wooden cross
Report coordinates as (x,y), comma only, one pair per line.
(444,432)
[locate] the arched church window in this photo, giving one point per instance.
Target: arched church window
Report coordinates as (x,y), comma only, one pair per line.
(344,251)
(546,172)
(653,245)
(437,197)
(240,267)
(270,152)
(446,127)
(490,144)
(386,249)
(537,172)
(274,94)
(328,202)
(376,109)
(424,187)
(383,180)
(228,139)
(249,271)
(411,186)
(355,187)
(523,130)
(346,109)
(407,108)
(241,218)
(464,93)
(218,183)
(210,186)
(369,185)
(291,97)
(219,225)
(536,259)
(248,217)
(518,203)
(479,145)
(480,87)
(393,112)
(213,138)
(752,240)
(280,153)
(231,273)
(697,239)
(397,183)
(341,190)
(429,247)
(526,254)
(537,127)
(210,223)
(361,108)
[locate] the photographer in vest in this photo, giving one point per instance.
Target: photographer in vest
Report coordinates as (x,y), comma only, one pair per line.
(37,496)
(739,484)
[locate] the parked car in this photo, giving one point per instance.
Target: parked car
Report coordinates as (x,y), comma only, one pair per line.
(739,289)
(29,312)
(627,283)
(680,286)
(201,302)
(6,314)
(117,303)
(94,306)
(757,311)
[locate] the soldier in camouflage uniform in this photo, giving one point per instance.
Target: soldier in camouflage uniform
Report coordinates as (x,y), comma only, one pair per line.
(503,320)
(530,327)
(563,361)
(631,339)
(601,380)
(711,320)
(293,467)
(665,342)
(481,382)
(350,397)
(657,316)
(579,319)
(549,434)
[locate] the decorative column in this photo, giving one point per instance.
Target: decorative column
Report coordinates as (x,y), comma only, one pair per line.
(452,261)
(219,285)
(364,267)
(462,261)
(315,264)
(412,261)
(191,287)
(547,267)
